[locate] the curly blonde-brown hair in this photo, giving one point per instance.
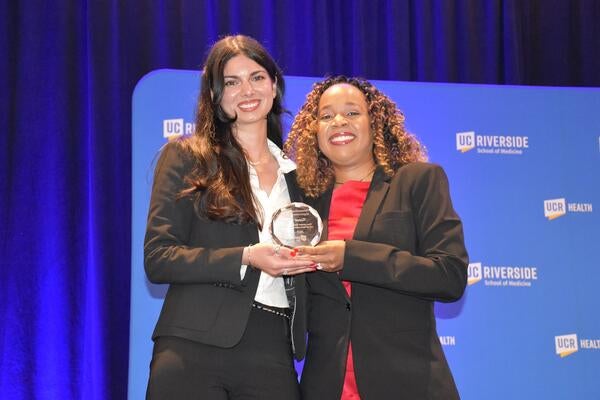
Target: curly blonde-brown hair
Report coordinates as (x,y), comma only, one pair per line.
(393,146)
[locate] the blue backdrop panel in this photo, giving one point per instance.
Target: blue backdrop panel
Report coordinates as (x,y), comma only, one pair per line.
(524,170)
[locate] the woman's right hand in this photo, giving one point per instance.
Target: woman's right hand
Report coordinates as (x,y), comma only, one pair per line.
(327,255)
(276,260)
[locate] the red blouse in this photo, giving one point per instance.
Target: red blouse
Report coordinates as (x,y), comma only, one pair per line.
(346,204)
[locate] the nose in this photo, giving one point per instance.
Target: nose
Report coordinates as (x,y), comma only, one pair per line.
(339,120)
(247,88)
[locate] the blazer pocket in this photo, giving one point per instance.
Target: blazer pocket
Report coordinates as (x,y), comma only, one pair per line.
(395,228)
(193,307)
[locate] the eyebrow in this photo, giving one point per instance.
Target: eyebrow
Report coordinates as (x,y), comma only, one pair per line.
(251,74)
(348,103)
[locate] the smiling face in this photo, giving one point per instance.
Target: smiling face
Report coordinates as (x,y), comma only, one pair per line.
(344,132)
(248,90)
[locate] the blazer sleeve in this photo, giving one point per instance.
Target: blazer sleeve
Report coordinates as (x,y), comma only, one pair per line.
(438,270)
(168,255)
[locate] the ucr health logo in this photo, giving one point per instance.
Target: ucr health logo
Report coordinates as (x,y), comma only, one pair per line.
(447,340)
(566,345)
(555,208)
(493,275)
(491,144)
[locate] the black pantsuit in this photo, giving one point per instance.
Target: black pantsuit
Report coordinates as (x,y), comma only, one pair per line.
(207,302)
(407,251)
(260,366)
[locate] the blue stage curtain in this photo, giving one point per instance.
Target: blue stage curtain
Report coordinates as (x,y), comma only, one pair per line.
(67,72)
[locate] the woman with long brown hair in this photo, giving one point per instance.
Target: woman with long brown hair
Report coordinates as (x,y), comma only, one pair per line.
(229,325)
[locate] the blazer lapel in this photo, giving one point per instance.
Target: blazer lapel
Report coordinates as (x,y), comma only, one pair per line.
(293,190)
(377,192)
(322,205)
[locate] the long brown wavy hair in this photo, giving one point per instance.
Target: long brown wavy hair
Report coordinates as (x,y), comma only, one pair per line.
(220,178)
(393,146)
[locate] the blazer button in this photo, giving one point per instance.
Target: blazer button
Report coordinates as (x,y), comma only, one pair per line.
(348,307)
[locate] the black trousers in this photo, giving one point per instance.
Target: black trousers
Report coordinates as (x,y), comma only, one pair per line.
(259,367)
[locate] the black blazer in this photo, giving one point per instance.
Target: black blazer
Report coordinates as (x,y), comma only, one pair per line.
(200,259)
(407,251)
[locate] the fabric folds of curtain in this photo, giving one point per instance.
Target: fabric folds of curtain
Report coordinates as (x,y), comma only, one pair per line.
(67,72)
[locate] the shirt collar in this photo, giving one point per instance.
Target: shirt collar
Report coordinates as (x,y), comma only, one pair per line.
(285,164)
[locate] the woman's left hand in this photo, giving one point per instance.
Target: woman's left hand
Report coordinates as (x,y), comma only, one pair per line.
(328,255)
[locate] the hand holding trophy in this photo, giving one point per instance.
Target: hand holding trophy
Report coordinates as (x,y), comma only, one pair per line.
(296,224)
(299,226)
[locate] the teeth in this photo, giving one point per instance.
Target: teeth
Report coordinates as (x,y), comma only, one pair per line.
(341,138)
(248,105)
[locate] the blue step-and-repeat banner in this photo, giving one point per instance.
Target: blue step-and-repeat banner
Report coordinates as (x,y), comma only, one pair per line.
(524,170)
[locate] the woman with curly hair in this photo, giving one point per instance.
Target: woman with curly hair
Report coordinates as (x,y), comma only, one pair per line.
(229,325)
(393,246)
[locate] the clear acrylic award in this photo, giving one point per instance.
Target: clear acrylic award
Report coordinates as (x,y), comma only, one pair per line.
(296,224)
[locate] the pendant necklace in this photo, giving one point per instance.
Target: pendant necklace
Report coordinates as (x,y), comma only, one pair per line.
(261,160)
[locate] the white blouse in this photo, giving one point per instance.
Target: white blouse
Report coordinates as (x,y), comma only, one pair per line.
(271,290)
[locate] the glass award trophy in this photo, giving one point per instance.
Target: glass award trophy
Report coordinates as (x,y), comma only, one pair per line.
(296,224)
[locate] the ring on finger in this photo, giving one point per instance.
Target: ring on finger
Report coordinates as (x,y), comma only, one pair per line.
(284,272)
(276,249)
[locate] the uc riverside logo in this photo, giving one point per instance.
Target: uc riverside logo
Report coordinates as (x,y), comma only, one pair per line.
(493,275)
(555,208)
(473,273)
(566,345)
(176,127)
(465,141)
(491,144)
